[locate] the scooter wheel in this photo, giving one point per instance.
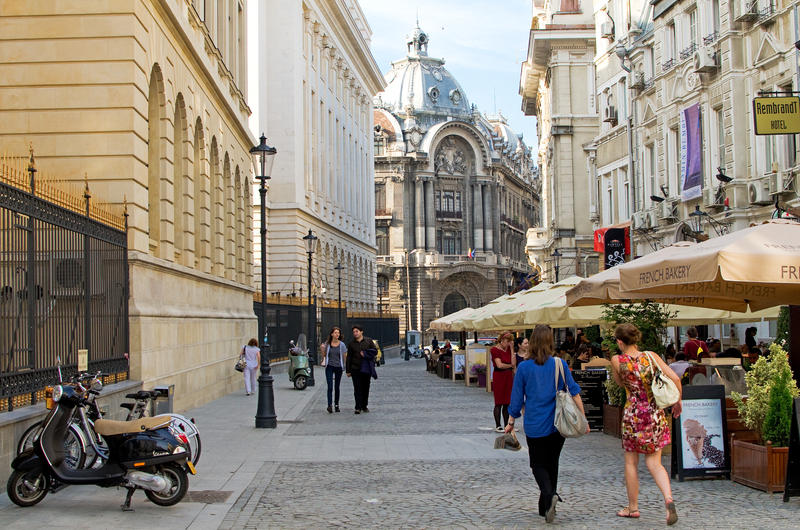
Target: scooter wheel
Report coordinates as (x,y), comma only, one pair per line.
(26,488)
(179,485)
(300,382)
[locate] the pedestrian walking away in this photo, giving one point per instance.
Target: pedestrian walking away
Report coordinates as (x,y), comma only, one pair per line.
(502,377)
(694,347)
(535,388)
(359,351)
(333,353)
(252,358)
(645,429)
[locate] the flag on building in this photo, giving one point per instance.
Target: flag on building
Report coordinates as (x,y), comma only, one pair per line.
(470,253)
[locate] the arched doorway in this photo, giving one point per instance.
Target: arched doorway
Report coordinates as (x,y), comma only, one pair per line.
(453,302)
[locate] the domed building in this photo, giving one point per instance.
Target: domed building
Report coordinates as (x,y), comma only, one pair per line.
(455,192)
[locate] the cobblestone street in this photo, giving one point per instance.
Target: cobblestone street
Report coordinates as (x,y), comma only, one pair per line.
(423,458)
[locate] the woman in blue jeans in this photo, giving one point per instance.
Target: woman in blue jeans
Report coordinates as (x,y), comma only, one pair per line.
(333,352)
(535,389)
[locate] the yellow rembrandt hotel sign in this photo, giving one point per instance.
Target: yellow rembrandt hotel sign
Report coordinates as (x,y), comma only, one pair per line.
(777,115)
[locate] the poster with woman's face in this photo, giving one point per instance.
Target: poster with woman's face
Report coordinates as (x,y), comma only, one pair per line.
(702,435)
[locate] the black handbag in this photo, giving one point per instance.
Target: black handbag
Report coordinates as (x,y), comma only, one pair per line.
(240,363)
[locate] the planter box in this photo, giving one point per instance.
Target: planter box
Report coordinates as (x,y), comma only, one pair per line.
(759,466)
(612,420)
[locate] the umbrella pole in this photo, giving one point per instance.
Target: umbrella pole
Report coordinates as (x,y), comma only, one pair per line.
(794,340)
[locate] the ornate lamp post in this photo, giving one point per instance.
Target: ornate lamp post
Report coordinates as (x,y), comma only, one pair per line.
(509,282)
(338,268)
(310,241)
(263,158)
(556,255)
(698,216)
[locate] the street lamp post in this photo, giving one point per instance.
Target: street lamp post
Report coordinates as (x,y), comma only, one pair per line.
(556,255)
(338,268)
(510,282)
(263,158)
(310,241)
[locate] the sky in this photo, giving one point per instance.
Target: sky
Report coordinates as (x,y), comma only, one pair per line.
(483,43)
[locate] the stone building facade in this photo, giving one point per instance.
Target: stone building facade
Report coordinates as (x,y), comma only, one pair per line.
(314,105)
(455,192)
(146,99)
(557,86)
(714,56)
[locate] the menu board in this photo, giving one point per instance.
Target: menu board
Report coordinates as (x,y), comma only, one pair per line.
(459,363)
(699,434)
(591,383)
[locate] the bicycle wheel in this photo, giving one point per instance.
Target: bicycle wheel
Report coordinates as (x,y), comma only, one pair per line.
(28,437)
(94,459)
(74,448)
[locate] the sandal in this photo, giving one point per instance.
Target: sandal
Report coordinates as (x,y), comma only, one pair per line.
(630,514)
(672,514)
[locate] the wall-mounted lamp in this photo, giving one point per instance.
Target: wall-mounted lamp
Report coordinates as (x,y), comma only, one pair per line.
(722,177)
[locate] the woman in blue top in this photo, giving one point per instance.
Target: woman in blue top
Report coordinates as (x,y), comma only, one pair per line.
(535,389)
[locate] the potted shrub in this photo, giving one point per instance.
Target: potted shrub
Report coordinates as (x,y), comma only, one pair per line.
(767,410)
(612,411)
(479,371)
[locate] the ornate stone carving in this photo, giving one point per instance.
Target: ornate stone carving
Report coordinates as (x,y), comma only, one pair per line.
(451,158)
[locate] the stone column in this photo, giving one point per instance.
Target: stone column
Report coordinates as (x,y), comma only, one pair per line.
(430,217)
(419,214)
(477,204)
(488,218)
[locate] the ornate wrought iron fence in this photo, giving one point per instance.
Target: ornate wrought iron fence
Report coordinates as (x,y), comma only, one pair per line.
(63,284)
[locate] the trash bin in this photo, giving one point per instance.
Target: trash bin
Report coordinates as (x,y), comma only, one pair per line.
(163,403)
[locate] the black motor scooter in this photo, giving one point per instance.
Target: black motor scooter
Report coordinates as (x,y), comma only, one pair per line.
(143,454)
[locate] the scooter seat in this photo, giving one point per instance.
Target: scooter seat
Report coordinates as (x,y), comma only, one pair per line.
(111,427)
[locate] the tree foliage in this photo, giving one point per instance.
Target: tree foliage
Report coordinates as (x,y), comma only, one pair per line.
(768,373)
(651,319)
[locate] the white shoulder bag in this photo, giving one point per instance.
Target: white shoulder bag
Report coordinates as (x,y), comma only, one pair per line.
(665,391)
(569,420)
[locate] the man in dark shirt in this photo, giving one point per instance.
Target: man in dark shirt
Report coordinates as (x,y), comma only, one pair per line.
(361,379)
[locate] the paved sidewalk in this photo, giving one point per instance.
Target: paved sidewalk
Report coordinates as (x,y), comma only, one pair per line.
(422,457)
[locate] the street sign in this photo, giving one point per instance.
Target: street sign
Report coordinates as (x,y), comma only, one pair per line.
(777,115)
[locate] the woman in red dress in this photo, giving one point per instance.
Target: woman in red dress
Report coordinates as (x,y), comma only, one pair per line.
(502,378)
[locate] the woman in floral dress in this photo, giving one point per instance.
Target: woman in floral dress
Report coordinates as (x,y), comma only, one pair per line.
(645,428)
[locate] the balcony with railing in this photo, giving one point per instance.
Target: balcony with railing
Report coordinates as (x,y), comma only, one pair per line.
(667,65)
(444,214)
(688,51)
(767,12)
(511,222)
(711,38)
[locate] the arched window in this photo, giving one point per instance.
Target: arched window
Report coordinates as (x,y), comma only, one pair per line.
(200,194)
(216,216)
(156,169)
(180,176)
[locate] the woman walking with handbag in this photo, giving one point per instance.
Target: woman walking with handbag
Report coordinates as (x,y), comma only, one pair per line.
(645,428)
(252,358)
(535,388)
(333,352)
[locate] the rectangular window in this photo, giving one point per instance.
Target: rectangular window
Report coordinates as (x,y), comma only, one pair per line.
(623,100)
(674,161)
(380,145)
(437,201)
(650,62)
(715,16)
(569,6)
(458,201)
(769,153)
(693,27)
(382,240)
(789,140)
(650,165)
(448,201)
(380,197)
(670,43)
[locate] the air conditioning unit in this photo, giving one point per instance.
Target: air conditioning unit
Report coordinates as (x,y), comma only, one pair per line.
(781,182)
(669,210)
(705,59)
(607,30)
(67,275)
(638,221)
(652,219)
(748,11)
(638,81)
(610,114)
(759,192)
(710,199)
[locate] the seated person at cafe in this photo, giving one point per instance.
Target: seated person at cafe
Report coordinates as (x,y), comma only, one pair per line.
(731,353)
(680,365)
(568,346)
(713,349)
(693,346)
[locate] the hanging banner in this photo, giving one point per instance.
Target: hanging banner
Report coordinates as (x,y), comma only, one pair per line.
(691,153)
(600,237)
(614,251)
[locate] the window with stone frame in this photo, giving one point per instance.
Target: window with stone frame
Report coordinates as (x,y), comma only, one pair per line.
(448,242)
(382,240)
(570,6)
(380,198)
(380,145)
(447,203)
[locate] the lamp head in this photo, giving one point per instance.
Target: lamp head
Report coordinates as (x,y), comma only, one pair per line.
(656,198)
(620,50)
(263,157)
(310,241)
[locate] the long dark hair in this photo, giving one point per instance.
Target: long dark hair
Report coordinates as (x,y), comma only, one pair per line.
(540,344)
(330,335)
